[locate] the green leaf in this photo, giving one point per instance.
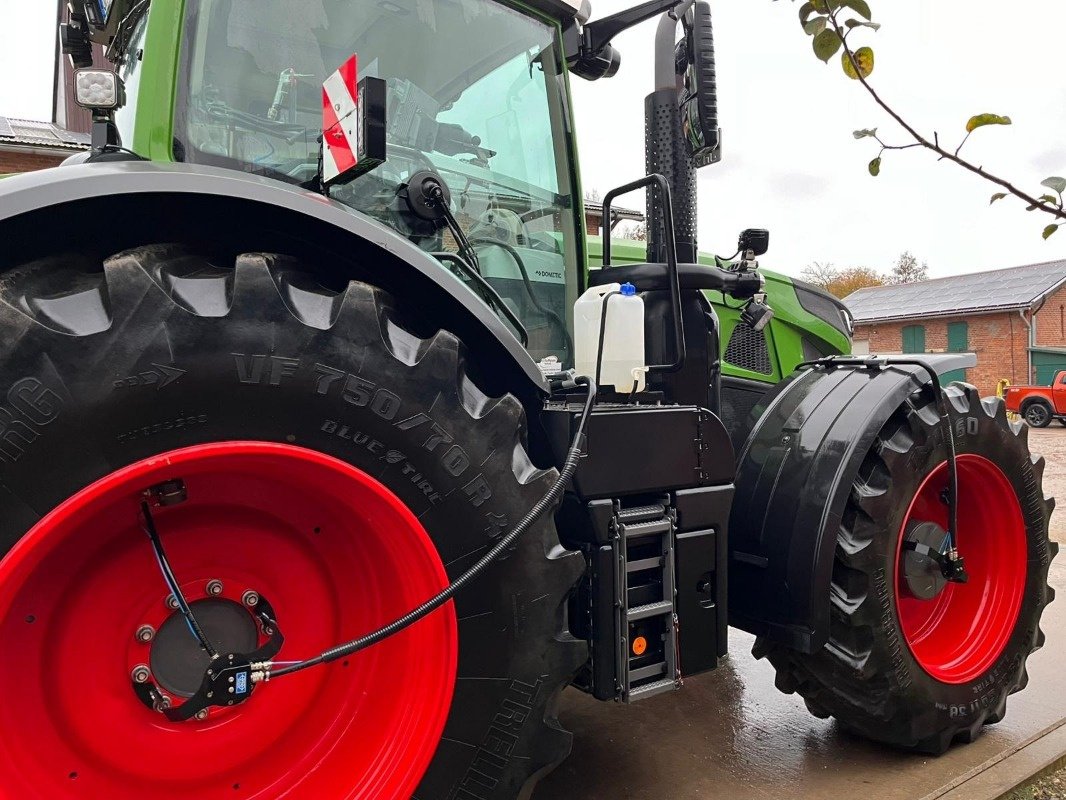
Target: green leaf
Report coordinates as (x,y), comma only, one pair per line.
(1049,198)
(980,120)
(815,26)
(1055,184)
(875,167)
(865,132)
(826,44)
(997,196)
(1050,229)
(864,57)
(805,12)
(858,6)
(856,23)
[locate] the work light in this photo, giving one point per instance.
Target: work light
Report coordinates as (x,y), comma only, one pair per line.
(98,88)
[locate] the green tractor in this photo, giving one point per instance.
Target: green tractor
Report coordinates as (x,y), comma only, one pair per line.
(326,462)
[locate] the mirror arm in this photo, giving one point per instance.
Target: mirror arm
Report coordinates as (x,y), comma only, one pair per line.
(597,35)
(665,42)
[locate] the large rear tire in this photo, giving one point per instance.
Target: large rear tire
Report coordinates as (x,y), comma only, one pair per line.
(338,464)
(923,673)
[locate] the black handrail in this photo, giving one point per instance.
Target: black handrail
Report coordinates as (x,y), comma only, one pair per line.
(671,256)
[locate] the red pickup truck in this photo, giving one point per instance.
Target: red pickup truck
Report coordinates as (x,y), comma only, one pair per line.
(1040,404)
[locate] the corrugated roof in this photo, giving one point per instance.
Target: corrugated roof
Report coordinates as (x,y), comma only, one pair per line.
(40,134)
(1000,289)
(617,212)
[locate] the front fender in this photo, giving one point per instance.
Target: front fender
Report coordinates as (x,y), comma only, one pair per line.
(105,207)
(794,476)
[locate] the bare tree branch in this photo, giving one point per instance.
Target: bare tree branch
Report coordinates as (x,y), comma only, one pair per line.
(920,140)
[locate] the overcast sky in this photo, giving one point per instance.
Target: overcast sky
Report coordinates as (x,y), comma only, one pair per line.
(791,164)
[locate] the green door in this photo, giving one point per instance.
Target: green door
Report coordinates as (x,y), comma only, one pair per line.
(958,342)
(914,339)
(1047,364)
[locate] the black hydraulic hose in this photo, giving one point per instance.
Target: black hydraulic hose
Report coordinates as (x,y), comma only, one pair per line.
(529,286)
(435,602)
(603,334)
(491,295)
(953,471)
(436,193)
(172,581)
(942,408)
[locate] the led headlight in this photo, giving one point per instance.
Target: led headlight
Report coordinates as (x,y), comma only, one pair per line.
(98,88)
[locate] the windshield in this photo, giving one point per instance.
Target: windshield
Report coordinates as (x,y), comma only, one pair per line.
(474,93)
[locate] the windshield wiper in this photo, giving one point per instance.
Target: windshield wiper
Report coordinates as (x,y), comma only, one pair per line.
(488,293)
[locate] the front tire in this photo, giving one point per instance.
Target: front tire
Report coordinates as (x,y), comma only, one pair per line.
(914,673)
(166,356)
(1037,414)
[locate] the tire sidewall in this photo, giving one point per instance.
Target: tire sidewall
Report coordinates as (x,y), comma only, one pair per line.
(101,402)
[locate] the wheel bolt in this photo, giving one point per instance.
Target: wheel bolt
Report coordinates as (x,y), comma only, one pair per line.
(145,634)
(251,598)
(141,673)
(201,714)
(214,588)
(172,601)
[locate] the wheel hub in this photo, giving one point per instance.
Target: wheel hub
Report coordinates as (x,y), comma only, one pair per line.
(334,551)
(957,631)
(178,662)
(923,574)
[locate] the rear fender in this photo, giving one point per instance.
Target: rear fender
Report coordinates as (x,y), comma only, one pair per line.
(794,476)
(101,208)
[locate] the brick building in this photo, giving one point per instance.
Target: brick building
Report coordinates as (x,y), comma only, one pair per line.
(1013,319)
(26,145)
(594,217)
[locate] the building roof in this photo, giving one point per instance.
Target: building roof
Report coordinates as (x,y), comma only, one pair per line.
(978,292)
(30,133)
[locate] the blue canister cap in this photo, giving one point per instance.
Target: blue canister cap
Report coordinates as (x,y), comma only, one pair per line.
(628,289)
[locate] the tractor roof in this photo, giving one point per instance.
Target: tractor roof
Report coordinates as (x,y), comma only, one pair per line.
(564,8)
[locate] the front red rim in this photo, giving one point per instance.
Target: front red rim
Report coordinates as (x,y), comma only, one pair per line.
(335,552)
(958,635)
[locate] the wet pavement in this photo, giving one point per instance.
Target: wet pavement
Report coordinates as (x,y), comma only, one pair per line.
(731,734)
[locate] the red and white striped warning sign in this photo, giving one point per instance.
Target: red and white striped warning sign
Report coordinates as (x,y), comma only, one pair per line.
(340,121)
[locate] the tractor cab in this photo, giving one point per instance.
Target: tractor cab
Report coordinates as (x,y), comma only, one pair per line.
(474,95)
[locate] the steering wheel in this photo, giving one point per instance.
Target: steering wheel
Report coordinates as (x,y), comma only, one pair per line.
(502,225)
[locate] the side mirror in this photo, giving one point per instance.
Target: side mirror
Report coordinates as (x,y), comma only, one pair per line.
(697,86)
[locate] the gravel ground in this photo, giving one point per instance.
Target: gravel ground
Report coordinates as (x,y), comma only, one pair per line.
(1050,787)
(1050,442)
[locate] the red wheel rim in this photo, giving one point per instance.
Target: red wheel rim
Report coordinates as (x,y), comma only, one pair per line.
(958,635)
(335,552)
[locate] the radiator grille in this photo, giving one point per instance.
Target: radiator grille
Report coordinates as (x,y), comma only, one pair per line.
(747,350)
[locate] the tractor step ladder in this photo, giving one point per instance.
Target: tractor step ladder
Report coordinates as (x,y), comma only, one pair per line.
(646,602)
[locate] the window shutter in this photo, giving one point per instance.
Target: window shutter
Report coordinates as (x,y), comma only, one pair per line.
(958,337)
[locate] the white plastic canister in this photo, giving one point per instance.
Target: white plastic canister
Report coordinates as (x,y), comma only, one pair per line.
(623,360)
